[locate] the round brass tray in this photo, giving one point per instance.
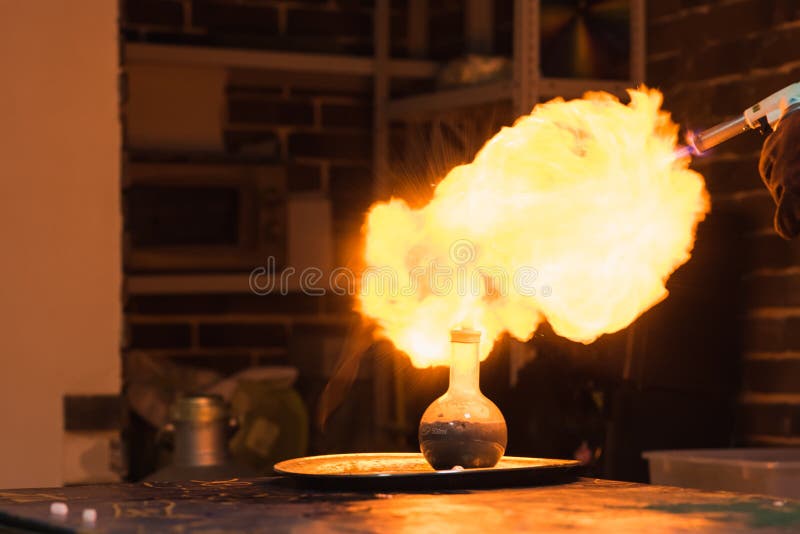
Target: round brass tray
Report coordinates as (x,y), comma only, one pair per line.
(410,471)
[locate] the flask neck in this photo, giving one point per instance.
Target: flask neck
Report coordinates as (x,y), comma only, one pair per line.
(464,368)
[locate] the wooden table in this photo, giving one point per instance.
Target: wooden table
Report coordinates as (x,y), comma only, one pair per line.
(270,505)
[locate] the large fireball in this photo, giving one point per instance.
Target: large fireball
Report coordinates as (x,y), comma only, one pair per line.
(577,215)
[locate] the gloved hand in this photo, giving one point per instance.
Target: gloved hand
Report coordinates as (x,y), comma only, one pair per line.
(780,169)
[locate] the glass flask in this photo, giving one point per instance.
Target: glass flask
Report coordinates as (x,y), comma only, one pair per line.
(462,427)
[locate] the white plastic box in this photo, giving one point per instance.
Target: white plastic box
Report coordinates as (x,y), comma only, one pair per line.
(765,471)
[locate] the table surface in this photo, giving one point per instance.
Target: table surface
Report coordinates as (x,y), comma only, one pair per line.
(270,505)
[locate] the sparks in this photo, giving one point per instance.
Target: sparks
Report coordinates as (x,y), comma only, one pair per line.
(585,198)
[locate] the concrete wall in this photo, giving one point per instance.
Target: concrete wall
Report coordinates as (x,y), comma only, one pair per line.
(59,224)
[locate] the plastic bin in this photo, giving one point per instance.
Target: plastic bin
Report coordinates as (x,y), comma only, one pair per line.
(765,471)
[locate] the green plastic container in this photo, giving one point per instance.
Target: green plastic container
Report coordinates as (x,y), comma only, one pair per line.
(273,421)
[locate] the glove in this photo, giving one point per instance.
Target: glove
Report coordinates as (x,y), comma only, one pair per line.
(779,167)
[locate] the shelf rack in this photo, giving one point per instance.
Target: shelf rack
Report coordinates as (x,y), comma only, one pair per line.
(159,54)
(525,88)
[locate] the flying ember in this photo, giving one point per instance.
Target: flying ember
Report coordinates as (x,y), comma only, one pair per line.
(576,215)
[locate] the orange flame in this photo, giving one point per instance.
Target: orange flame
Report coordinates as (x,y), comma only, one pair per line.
(576,214)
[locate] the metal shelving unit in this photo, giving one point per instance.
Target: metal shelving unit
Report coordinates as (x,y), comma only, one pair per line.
(158,54)
(421,105)
(525,88)
(182,55)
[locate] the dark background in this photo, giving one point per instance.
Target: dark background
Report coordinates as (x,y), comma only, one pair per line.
(716,364)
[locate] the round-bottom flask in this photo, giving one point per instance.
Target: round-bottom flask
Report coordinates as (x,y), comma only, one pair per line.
(462,427)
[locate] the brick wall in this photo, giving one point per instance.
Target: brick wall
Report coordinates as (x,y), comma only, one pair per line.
(322,128)
(262,24)
(713,59)
(330,26)
(318,128)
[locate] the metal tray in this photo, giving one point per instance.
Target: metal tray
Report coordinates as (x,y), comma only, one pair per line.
(410,471)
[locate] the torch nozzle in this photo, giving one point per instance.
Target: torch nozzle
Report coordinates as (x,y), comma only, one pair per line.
(697,143)
(764,116)
(715,135)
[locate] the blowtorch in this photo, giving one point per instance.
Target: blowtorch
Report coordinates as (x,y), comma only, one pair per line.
(763,117)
